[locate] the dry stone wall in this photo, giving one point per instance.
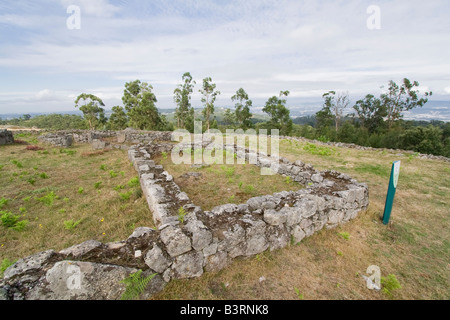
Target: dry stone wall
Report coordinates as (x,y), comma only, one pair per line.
(204,241)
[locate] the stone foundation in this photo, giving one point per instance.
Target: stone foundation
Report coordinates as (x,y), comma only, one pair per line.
(204,241)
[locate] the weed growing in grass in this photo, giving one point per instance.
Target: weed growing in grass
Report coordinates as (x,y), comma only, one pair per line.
(80,190)
(135,285)
(345,235)
(390,284)
(22,210)
(11,221)
(122,173)
(134,182)
(3,202)
(1,167)
(17,164)
(103,167)
(71,224)
(164,155)
(27,199)
(48,199)
(181,215)
(6,263)
(299,295)
(119,187)
(126,196)
(31,181)
(98,185)
(113,174)
(43,175)
(288,180)
(249,189)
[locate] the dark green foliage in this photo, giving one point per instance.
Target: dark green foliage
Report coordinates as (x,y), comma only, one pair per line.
(280,115)
(118,119)
(140,103)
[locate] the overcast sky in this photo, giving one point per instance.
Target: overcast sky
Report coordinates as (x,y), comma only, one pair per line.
(263,46)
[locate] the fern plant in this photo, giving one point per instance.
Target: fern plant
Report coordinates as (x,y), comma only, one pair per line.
(181,215)
(135,285)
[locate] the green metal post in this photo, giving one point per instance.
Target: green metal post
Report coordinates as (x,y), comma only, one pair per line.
(391,192)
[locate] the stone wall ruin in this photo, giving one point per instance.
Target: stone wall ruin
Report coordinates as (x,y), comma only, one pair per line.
(206,241)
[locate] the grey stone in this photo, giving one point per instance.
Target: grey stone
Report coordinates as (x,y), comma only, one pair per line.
(278,237)
(30,264)
(182,196)
(335,216)
(201,236)
(80,250)
(189,265)
(69,280)
(255,237)
(140,232)
(216,262)
(298,234)
(232,237)
(307,207)
(275,218)
(294,215)
(255,203)
(176,241)
(225,209)
(210,250)
(317,178)
(156,260)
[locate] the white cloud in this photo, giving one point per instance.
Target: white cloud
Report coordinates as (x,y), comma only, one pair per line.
(98,8)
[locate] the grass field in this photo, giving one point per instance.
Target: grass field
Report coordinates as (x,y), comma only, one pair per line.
(67,197)
(329,265)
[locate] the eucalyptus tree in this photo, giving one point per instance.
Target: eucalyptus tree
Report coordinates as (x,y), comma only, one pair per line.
(401,98)
(139,101)
(182,98)
(210,94)
(243,105)
(118,119)
(93,113)
(280,116)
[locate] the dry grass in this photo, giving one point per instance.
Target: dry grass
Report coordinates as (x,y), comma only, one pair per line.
(222,184)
